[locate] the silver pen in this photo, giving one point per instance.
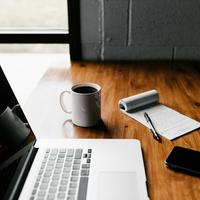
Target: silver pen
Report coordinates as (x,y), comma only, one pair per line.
(152,128)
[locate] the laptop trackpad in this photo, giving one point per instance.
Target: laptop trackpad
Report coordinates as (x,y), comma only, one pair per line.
(118,186)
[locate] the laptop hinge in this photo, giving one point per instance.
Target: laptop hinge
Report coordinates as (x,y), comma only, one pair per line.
(20,174)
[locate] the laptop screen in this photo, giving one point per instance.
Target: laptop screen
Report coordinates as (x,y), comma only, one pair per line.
(16,135)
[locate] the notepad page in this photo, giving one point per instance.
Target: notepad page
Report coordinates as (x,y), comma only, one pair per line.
(168,122)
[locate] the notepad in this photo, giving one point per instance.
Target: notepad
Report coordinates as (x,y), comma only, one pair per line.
(168,122)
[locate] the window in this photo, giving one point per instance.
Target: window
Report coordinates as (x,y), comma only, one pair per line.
(39,21)
(41,15)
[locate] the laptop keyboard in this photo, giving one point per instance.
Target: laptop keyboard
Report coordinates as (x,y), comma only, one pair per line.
(63,174)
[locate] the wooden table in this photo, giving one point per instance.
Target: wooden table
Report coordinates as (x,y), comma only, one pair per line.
(178,85)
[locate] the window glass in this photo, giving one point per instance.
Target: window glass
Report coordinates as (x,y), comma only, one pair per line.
(33,14)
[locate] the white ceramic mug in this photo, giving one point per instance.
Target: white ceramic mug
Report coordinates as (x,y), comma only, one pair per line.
(86,104)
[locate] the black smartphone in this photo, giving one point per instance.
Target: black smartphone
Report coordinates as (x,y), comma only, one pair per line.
(184,160)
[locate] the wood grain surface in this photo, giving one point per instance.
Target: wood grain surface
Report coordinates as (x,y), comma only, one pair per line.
(178,85)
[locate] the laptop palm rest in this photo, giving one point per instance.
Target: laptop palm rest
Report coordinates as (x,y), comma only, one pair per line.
(118,186)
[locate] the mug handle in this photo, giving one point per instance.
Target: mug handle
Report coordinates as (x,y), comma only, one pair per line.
(62,101)
(14,108)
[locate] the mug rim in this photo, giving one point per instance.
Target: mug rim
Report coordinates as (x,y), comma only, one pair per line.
(2,113)
(90,84)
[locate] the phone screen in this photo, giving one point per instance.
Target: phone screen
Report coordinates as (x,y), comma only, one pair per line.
(185,160)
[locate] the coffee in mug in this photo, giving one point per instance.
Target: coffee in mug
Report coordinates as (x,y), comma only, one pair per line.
(85,90)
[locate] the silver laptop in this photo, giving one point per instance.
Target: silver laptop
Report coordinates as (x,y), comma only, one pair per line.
(72,169)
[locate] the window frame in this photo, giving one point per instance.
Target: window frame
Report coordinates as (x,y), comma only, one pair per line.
(50,36)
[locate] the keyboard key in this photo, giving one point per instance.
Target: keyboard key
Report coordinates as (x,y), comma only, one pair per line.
(82,192)
(36,185)
(84,172)
(46,155)
(89,150)
(54,151)
(76,167)
(34,192)
(59,165)
(38,178)
(56,177)
(51,197)
(85,166)
(61,195)
(67,169)
(42,166)
(57,171)
(69,159)
(73,185)
(41,172)
(41,193)
(50,163)
(60,160)
(62,189)
(61,155)
(54,183)
(68,164)
(52,158)
(74,179)
(44,160)
(47,150)
(70,153)
(77,161)
(72,192)
(49,168)
(64,182)
(32,198)
(65,175)
(40,198)
(43,186)
(45,180)
(62,151)
(75,173)
(70,198)
(47,174)
(78,153)
(52,190)
(89,155)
